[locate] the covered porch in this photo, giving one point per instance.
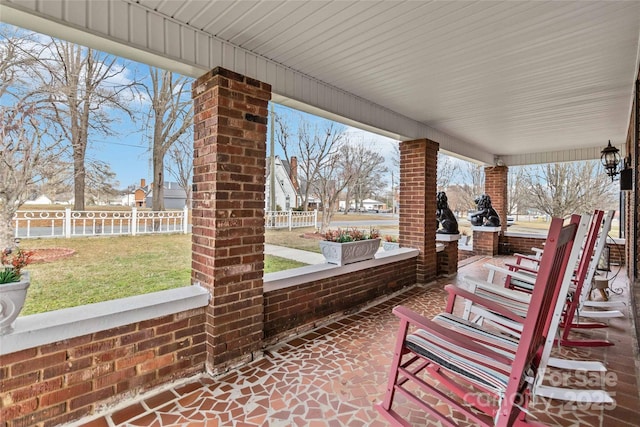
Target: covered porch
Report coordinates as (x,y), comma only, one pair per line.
(222,337)
(332,375)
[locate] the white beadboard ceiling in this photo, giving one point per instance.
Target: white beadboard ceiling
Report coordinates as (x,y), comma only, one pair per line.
(528,81)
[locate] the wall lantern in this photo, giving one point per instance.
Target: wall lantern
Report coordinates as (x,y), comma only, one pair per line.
(626,175)
(610,157)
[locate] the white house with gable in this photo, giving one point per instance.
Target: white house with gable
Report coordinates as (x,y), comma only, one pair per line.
(286,186)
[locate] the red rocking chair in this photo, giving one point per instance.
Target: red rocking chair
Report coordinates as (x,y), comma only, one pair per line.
(477,371)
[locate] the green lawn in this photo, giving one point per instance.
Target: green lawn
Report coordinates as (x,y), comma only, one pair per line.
(105,268)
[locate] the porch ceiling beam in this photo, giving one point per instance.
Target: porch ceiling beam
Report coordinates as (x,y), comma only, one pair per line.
(132,31)
(580,154)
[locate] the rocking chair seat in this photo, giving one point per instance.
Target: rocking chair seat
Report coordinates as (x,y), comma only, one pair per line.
(496,340)
(459,360)
(476,367)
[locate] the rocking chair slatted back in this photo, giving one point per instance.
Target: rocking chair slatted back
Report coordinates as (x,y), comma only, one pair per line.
(543,300)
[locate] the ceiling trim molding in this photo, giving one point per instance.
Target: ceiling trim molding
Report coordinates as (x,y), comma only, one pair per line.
(580,154)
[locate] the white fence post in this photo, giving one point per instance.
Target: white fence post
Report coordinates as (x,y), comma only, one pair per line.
(67,223)
(134,221)
(185,220)
(315,219)
(290,216)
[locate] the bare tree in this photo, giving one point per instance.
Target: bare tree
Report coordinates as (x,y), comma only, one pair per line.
(473,178)
(28,145)
(334,175)
(57,180)
(560,189)
(314,145)
(181,166)
(25,150)
(446,171)
(102,182)
(365,167)
(87,87)
(516,190)
(171,116)
(395,175)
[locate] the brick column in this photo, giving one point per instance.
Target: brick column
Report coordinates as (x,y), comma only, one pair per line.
(485,240)
(417,225)
(495,185)
(230,126)
(448,257)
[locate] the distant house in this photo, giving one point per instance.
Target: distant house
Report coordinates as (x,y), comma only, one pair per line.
(40,200)
(365,205)
(174,196)
(373,205)
(128,199)
(287,195)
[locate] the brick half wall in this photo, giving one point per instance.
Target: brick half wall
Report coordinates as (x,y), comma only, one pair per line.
(295,308)
(61,382)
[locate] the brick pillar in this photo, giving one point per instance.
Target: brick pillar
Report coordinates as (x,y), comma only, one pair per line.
(495,185)
(417,225)
(448,257)
(230,126)
(485,240)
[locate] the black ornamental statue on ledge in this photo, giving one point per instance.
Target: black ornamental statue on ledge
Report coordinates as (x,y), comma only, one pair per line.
(485,215)
(447,223)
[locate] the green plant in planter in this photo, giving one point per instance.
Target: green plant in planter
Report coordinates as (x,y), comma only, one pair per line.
(390,239)
(13,262)
(350,235)
(13,286)
(8,275)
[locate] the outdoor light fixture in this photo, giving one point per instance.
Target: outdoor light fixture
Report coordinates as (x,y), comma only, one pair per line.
(626,175)
(610,157)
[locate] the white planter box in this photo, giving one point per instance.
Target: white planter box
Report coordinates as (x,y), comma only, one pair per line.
(389,246)
(12,296)
(350,252)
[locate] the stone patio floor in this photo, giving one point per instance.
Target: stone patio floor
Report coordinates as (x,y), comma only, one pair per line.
(332,376)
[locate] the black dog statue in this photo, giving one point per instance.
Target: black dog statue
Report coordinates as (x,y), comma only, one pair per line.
(446,218)
(486,215)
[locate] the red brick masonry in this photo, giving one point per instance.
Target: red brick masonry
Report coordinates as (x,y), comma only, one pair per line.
(64,381)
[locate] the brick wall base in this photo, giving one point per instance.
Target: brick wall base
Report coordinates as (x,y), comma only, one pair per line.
(67,380)
(448,259)
(485,242)
(297,307)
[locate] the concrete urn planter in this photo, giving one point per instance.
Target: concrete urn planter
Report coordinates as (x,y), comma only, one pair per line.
(12,297)
(349,252)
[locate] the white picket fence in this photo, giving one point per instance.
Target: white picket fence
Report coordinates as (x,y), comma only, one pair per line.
(291,219)
(70,223)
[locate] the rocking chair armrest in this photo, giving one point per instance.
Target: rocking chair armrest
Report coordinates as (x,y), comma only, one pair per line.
(513,294)
(447,334)
(520,267)
(478,300)
(526,257)
(527,278)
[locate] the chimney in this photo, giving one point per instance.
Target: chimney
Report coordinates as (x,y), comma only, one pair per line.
(293,173)
(143,182)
